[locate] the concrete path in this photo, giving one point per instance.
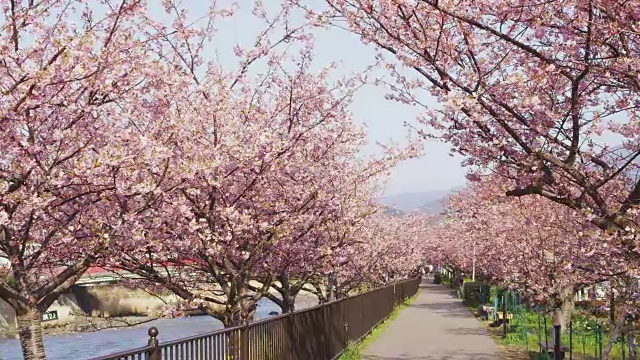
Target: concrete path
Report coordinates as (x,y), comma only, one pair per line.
(434,327)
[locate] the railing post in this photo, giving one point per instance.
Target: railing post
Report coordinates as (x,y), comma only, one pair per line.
(394,296)
(154,352)
(244,343)
(504,315)
(557,354)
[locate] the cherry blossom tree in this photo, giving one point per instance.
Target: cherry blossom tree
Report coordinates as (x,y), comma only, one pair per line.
(386,249)
(530,90)
(531,244)
(255,189)
(311,257)
(123,146)
(353,189)
(258,187)
(83,158)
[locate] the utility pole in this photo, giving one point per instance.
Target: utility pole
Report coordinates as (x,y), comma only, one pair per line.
(473,266)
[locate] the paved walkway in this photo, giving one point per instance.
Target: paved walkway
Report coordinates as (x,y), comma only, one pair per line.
(434,327)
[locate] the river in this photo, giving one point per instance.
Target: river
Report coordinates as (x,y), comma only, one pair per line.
(78,346)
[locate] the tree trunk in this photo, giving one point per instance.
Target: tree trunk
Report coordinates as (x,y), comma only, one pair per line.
(340,291)
(234,338)
(322,298)
(238,314)
(30,332)
(288,303)
(289,294)
(241,313)
(631,345)
(562,315)
(331,287)
(612,337)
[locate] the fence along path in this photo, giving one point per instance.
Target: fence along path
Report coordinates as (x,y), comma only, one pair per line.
(319,333)
(436,326)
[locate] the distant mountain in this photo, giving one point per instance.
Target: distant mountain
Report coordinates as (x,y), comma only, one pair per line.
(432,207)
(427,201)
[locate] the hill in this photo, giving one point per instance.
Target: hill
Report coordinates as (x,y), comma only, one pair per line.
(429,202)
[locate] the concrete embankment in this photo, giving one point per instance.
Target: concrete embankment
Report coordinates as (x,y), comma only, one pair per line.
(94,308)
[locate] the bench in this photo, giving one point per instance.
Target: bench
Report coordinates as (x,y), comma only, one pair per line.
(501,315)
(500,318)
(549,348)
(485,312)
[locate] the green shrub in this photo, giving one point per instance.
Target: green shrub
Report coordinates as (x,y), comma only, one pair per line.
(452,283)
(494,294)
(437,278)
(9,280)
(475,293)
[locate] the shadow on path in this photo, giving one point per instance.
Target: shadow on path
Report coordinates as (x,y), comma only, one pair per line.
(444,309)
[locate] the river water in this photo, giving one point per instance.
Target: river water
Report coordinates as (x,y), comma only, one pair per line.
(80,346)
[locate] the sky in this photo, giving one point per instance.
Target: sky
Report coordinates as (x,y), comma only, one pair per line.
(436,170)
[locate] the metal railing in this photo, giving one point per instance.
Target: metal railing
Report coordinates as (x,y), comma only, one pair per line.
(321,332)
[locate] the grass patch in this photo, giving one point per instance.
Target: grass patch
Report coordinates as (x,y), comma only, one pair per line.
(354,350)
(528,330)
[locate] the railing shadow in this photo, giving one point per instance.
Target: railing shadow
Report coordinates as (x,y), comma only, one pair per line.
(457,355)
(468,331)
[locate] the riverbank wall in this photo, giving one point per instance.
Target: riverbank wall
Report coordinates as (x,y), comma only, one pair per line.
(94,307)
(90,308)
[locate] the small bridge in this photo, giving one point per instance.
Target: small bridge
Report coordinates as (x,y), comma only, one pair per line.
(98,275)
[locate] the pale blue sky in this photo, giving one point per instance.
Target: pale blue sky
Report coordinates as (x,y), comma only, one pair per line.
(437,170)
